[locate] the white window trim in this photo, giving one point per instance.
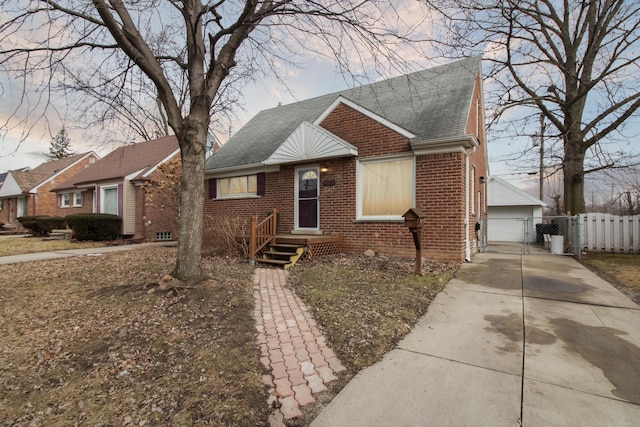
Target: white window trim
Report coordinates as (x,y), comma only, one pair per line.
(108,187)
(387,218)
(296,189)
(65,197)
(239,195)
(73,203)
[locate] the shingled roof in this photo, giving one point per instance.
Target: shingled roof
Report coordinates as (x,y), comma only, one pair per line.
(136,158)
(28,180)
(432,104)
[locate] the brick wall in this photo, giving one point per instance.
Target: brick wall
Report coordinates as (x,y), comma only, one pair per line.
(439,194)
(157,206)
(478,160)
(46,202)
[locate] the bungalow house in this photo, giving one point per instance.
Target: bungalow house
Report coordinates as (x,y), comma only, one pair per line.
(28,191)
(120,183)
(343,168)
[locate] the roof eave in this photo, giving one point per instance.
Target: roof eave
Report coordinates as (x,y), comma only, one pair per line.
(444,145)
(247,169)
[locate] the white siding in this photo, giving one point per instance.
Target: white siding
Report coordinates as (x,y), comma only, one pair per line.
(128,208)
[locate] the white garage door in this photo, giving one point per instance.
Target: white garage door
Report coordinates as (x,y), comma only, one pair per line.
(507,223)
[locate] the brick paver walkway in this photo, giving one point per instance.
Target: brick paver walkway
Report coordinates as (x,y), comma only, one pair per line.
(292,346)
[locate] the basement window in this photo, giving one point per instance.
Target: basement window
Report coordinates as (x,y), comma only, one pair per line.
(163,235)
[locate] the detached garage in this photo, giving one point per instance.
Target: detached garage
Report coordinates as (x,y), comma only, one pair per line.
(511,213)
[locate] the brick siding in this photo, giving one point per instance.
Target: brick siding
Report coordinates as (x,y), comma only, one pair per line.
(440,194)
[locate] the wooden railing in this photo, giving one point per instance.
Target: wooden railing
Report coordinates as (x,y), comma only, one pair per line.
(260,235)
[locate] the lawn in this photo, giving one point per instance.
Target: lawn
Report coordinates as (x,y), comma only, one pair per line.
(24,245)
(622,271)
(96,341)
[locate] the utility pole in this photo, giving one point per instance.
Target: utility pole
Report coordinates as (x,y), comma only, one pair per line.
(542,157)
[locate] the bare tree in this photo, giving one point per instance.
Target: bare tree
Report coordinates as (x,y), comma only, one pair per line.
(575,62)
(186,50)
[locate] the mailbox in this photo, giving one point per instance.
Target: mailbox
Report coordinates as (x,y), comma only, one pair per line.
(413,218)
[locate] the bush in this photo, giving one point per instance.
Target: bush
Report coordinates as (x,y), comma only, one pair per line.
(41,225)
(94,226)
(28,222)
(48,223)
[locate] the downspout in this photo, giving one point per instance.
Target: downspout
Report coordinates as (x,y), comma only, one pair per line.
(467,198)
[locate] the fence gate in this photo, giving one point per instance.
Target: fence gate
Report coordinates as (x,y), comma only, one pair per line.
(537,235)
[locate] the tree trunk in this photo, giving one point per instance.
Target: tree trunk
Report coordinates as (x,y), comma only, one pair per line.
(192,141)
(573,170)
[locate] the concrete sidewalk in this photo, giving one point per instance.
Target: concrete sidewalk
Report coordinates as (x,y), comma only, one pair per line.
(78,252)
(512,340)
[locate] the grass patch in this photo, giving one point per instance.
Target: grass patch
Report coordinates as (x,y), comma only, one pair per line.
(364,307)
(93,341)
(622,271)
(26,245)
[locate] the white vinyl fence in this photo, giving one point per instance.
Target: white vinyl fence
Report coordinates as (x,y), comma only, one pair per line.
(610,233)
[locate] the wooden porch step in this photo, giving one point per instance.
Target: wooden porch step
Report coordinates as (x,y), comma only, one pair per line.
(283,258)
(287,254)
(286,245)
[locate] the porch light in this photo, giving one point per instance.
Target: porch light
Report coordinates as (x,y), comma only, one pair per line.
(325,169)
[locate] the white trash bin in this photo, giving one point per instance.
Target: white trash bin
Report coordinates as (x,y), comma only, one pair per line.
(557,245)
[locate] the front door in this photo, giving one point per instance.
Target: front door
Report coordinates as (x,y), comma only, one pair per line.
(307,195)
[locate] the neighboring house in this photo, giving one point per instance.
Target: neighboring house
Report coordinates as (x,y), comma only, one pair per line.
(28,191)
(213,144)
(118,184)
(349,165)
(512,213)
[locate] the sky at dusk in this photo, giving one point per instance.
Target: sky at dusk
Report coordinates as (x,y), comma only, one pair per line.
(21,147)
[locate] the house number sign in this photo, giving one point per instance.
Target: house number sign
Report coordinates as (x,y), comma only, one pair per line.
(329,183)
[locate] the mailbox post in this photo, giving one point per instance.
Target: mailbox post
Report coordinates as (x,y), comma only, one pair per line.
(413,220)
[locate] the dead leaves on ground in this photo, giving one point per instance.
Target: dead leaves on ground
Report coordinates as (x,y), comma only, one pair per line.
(366,304)
(84,342)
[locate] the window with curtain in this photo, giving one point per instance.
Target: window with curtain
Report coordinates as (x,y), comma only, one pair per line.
(77,199)
(238,186)
(109,200)
(386,187)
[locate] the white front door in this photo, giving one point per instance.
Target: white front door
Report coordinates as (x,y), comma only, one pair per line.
(307,207)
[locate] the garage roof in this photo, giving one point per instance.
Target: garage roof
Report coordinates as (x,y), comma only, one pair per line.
(501,193)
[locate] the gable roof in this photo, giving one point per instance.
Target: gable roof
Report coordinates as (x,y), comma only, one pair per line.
(501,193)
(137,158)
(26,181)
(432,104)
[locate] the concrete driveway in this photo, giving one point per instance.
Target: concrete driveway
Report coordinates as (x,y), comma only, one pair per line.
(512,340)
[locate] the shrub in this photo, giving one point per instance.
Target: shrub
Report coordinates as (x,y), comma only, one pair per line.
(48,223)
(41,225)
(28,222)
(94,226)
